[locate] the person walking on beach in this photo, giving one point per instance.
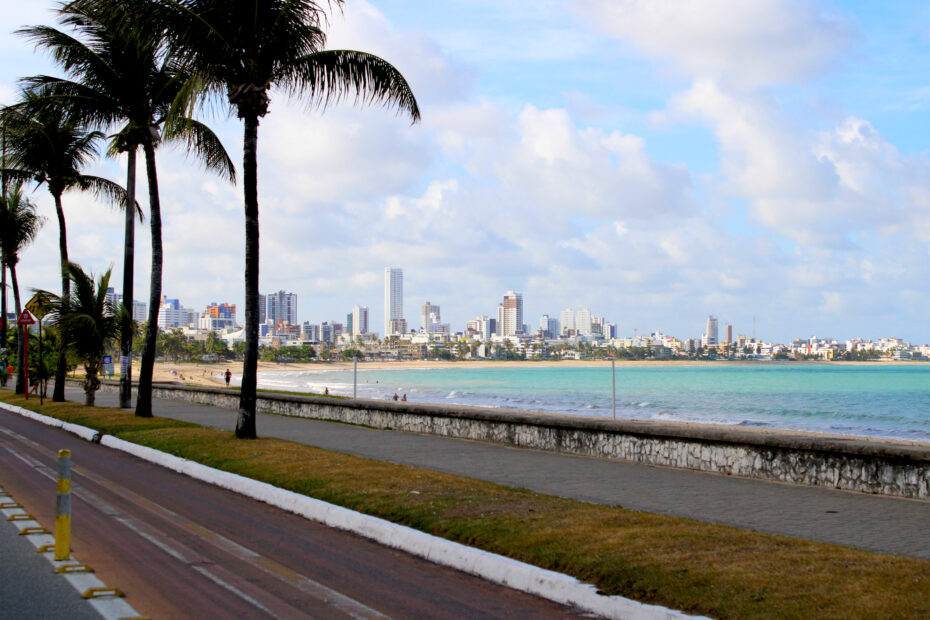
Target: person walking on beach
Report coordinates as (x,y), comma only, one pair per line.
(228,376)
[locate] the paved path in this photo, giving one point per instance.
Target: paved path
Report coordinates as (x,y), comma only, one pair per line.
(883,524)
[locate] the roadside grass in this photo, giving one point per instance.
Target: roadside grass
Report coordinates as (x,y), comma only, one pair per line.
(697,567)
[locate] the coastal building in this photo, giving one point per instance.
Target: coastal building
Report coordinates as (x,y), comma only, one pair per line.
(511,314)
(280,306)
(729,339)
(172,314)
(139,308)
(583,323)
(430,317)
(394,302)
(710,338)
(549,327)
(359,318)
(567,321)
(221,311)
(139,312)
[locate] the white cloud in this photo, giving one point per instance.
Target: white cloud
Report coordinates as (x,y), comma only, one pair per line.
(737,42)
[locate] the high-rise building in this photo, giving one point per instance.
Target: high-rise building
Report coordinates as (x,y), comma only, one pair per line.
(359,320)
(567,320)
(711,336)
(430,317)
(512,315)
(221,311)
(393,301)
(549,326)
(729,334)
(583,323)
(172,314)
(139,312)
(261,309)
(280,306)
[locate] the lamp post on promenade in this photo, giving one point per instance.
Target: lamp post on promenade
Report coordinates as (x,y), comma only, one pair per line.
(613,377)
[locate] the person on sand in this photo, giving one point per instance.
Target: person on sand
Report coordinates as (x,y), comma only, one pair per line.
(227,375)
(326,392)
(404,398)
(395,395)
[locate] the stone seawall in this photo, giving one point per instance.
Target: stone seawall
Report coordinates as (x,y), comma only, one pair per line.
(853,464)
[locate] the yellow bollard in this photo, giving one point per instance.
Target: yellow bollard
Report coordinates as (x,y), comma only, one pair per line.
(63,507)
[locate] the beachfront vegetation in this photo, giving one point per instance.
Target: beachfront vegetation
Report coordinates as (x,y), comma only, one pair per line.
(19,225)
(89,323)
(120,75)
(700,568)
(241,49)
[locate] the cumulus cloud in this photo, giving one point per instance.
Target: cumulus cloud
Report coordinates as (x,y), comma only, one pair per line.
(740,43)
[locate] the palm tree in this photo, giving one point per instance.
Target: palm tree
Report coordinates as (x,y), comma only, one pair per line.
(47,146)
(121,76)
(19,225)
(89,323)
(244,48)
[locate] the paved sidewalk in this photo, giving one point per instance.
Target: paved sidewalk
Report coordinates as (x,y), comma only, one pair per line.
(884,524)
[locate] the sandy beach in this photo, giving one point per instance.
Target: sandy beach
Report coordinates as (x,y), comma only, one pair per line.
(211,374)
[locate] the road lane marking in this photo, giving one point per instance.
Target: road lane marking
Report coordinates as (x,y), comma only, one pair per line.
(342,602)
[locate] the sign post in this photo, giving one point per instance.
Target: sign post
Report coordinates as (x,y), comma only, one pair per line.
(38,306)
(24,320)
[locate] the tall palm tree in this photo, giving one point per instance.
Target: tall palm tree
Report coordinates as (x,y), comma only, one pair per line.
(89,323)
(120,76)
(245,48)
(19,225)
(49,147)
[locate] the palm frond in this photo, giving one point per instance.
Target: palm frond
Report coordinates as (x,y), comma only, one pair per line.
(204,143)
(334,75)
(107,191)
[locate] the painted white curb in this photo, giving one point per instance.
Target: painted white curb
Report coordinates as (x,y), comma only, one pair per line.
(496,568)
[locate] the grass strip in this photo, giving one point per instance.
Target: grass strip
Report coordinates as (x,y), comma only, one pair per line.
(697,567)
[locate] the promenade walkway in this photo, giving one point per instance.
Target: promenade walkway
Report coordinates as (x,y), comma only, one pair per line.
(884,524)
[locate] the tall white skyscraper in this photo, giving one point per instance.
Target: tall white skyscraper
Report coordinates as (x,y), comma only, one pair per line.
(393,300)
(711,337)
(567,320)
(359,320)
(512,314)
(583,322)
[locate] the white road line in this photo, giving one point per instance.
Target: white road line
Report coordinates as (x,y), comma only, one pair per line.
(319,591)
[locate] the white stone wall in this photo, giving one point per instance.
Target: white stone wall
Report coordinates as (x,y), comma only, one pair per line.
(885,468)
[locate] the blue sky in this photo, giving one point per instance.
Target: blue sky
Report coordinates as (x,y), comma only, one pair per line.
(654,161)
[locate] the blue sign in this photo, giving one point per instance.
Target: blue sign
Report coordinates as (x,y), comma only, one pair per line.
(107,359)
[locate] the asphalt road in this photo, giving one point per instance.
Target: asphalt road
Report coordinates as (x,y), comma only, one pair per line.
(183,549)
(876,523)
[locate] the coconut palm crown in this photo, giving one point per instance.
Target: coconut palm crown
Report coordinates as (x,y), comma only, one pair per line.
(245,48)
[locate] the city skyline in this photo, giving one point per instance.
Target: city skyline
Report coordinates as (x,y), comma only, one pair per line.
(580,153)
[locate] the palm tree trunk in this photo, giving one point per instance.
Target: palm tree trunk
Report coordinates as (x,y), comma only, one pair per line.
(91,383)
(21,340)
(144,391)
(58,395)
(245,425)
(125,348)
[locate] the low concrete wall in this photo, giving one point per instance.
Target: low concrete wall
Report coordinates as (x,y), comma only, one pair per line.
(886,468)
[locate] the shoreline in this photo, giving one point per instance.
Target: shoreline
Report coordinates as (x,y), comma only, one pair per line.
(211,375)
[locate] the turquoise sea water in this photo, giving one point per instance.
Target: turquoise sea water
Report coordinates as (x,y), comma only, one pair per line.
(876,400)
